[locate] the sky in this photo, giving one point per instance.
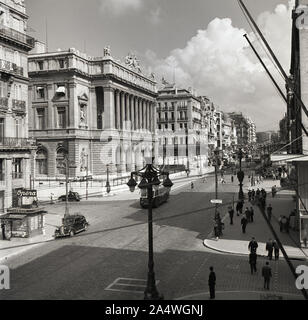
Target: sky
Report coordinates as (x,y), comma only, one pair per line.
(198,42)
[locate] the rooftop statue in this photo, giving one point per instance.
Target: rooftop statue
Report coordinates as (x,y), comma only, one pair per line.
(107,51)
(132,62)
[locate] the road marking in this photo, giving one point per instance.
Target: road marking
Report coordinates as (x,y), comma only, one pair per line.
(128,285)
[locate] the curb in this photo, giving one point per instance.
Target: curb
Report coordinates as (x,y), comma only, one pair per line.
(245,255)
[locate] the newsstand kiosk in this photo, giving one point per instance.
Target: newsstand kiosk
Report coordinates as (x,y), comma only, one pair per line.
(25,221)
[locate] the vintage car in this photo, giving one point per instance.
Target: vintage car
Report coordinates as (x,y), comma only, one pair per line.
(72,196)
(71,225)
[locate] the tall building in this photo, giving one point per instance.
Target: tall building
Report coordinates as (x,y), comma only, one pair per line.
(16,150)
(182,131)
(91,112)
(229,143)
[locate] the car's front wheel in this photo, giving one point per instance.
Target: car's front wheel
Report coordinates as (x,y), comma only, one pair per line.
(72,233)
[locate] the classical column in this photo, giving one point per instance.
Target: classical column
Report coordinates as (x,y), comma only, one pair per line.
(149,116)
(127,110)
(138,114)
(143,114)
(109,108)
(122,110)
(118,106)
(133,113)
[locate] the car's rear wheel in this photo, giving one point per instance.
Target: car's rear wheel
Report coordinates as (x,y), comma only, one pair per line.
(72,233)
(85,227)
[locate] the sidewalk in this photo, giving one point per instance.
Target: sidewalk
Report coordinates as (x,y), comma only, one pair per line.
(15,246)
(235,242)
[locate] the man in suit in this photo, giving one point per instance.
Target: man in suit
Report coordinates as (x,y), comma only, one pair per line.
(253,262)
(212,283)
(253,245)
(267,274)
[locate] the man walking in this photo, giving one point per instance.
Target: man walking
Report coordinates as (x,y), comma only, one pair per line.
(267,274)
(212,283)
(253,262)
(276,250)
(269,212)
(244,223)
(253,245)
(269,248)
(231,215)
(252,213)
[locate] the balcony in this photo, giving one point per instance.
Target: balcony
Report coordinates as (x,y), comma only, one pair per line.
(19,106)
(4,103)
(11,68)
(14,35)
(17,175)
(182,107)
(14,143)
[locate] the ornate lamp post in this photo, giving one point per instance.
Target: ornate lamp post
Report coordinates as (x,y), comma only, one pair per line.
(150,177)
(240,175)
(217,163)
(108,189)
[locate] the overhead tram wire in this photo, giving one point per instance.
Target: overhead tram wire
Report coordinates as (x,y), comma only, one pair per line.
(258,38)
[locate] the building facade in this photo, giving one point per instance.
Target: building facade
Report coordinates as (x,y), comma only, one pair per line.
(16,150)
(182,129)
(93,113)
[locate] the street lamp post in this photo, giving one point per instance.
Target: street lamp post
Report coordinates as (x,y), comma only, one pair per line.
(217,163)
(240,176)
(150,177)
(108,189)
(87,177)
(67,167)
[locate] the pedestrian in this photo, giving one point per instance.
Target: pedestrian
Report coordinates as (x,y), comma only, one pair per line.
(239,207)
(276,250)
(192,185)
(249,195)
(258,193)
(3,231)
(274,191)
(231,214)
(253,245)
(253,262)
(269,212)
(253,194)
(252,213)
(232,179)
(244,223)
(269,248)
(304,237)
(212,283)
(247,214)
(267,274)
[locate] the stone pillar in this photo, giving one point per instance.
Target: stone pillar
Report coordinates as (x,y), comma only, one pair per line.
(122,109)
(51,109)
(133,112)
(118,108)
(109,108)
(8,184)
(138,113)
(143,114)
(92,109)
(73,110)
(127,110)
(149,116)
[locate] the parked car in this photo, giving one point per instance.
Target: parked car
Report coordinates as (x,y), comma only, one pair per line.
(72,225)
(72,196)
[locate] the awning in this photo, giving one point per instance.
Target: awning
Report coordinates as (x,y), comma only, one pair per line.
(13,217)
(61,89)
(289,158)
(39,88)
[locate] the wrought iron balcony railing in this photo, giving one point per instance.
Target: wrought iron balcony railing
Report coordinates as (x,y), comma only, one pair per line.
(17,175)
(10,67)
(19,105)
(14,142)
(17,36)
(4,103)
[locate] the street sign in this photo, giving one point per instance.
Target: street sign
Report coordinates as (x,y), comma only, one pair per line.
(216,201)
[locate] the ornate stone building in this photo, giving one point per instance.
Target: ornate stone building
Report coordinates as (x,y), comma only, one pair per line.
(15,148)
(92,111)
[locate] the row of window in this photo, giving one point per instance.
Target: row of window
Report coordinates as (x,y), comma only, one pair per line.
(17,128)
(42,162)
(17,169)
(172,126)
(182,115)
(41,118)
(173,141)
(41,91)
(60,64)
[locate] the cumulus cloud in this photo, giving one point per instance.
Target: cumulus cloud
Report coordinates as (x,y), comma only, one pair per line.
(119,7)
(219,63)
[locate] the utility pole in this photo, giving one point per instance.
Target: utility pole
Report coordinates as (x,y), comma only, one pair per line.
(216,152)
(87,177)
(66,185)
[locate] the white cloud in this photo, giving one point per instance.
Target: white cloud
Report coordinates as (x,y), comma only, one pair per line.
(155,16)
(119,7)
(219,63)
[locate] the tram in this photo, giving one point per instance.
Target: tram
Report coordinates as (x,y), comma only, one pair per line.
(160,195)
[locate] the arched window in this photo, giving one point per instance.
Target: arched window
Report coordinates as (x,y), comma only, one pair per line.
(41,162)
(60,161)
